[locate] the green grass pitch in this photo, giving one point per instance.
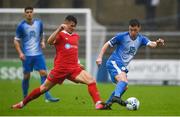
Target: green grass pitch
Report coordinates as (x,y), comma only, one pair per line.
(75,101)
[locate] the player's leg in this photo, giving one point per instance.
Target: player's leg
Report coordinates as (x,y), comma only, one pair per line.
(124,91)
(48,97)
(40,66)
(119,77)
(85,78)
(109,101)
(112,95)
(121,80)
(110,98)
(121,84)
(27,69)
(25,84)
(47,85)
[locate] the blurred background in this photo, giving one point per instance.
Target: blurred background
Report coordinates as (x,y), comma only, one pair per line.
(159,18)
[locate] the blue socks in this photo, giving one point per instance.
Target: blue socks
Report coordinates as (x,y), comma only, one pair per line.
(43,78)
(110,98)
(119,91)
(25,87)
(47,94)
(120,87)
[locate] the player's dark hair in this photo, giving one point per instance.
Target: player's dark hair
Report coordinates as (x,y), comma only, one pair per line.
(28,8)
(134,22)
(71,18)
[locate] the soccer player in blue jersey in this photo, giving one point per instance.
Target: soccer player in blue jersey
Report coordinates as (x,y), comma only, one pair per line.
(126,46)
(29,41)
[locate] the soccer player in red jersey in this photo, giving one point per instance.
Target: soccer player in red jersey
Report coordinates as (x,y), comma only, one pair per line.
(66,64)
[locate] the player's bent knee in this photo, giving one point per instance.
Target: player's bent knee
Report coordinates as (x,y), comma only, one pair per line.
(43,72)
(92,80)
(26,76)
(43,88)
(88,81)
(121,77)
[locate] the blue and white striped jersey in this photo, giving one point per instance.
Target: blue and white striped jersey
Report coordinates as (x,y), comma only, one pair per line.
(30,37)
(126,48)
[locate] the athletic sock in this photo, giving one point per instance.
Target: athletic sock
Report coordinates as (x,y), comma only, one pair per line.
(25,87)
(93,91)
(47,94)
(110,98)
(43,78)
(120,87)
(124,91)
(33,95)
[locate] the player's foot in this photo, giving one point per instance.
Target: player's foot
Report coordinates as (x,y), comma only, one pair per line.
(107,106)
(118,100)
(51,99)
(18,105)
(99,105)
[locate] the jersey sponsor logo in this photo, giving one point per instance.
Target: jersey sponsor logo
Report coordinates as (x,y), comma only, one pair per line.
(68,46)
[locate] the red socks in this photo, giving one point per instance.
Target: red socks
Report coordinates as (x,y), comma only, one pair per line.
(33,95)
(93,91)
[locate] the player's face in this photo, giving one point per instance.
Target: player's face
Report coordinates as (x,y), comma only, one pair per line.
(28,14)
(134,31)
(71,26)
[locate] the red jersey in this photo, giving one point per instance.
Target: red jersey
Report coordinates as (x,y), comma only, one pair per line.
(66,50)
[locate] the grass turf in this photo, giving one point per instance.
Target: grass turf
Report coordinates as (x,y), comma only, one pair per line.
(75,101)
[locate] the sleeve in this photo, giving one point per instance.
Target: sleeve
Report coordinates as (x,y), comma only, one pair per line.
(145,41)
(19,33)
(58,37)
(115,40)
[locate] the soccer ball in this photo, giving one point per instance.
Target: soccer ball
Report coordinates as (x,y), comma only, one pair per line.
(132,103)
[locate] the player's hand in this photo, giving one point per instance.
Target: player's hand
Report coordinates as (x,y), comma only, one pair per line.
(160,42)
(99,61)
(62,27)
(43,45)
(21,56)
(82,66)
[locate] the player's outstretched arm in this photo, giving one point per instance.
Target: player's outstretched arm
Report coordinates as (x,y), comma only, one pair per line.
(52,39)
(103,50)
(158,43)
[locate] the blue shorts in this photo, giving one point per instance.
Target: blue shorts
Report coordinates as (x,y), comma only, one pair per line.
(114,68)
(34,63)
